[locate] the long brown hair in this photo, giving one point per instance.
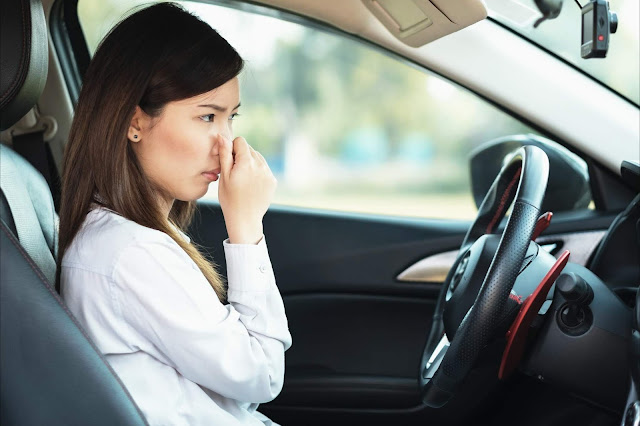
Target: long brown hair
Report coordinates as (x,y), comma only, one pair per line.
(156,55)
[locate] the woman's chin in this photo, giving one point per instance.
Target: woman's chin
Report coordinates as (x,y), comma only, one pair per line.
(192,196)
(201,193)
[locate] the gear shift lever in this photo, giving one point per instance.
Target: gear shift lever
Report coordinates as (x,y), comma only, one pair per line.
(575,317)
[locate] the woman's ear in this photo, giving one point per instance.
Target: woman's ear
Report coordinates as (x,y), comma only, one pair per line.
(138,125)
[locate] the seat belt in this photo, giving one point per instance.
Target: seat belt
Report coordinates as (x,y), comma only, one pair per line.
(19,192)
(37,152)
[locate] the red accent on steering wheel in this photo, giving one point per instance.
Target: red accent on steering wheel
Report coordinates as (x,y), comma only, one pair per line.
(541,225)
(503,202)
(517,334)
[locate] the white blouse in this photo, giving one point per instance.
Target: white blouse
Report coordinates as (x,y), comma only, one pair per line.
(186,358)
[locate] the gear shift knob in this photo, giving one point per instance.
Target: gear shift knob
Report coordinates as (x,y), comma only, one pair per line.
(574,289)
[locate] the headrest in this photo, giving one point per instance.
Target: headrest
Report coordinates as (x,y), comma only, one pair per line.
(23,58)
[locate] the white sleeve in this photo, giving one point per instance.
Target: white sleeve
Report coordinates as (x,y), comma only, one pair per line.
(236,350)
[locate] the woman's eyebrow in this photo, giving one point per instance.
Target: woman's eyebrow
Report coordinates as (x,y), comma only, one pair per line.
(217,107)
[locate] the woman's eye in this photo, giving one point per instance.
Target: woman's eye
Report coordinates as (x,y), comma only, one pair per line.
(234,116)
(208,118)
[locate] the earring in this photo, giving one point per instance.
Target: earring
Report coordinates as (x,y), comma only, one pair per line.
(135,136)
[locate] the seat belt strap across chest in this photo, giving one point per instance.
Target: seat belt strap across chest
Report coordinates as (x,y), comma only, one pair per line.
(17,191)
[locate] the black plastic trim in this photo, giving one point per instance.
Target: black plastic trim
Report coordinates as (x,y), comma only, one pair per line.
(349,391)
(608,190)
(71,47)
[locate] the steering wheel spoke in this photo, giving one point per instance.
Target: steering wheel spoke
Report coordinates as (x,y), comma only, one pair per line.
(436,357)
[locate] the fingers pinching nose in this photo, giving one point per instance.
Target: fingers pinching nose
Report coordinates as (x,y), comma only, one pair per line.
(224,143)
(226,157)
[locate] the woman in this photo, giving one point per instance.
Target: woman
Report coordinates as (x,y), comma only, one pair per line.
(152,130)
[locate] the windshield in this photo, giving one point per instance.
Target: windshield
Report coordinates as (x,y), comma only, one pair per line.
(562,36)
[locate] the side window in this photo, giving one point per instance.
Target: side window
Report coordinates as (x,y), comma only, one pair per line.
(342,125)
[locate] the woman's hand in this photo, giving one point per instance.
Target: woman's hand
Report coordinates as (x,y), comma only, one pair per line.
(245,189)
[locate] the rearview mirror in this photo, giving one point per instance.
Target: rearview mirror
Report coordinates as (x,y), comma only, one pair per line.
(568,186)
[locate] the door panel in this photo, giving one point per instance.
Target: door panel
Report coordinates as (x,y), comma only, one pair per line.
(354,350)
(344,253)
(358,332)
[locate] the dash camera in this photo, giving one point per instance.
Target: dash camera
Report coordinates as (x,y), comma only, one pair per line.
(598,23)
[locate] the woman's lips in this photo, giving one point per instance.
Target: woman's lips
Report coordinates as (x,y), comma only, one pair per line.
(212,175)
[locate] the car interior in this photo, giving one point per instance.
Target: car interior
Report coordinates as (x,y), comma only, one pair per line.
(524,312)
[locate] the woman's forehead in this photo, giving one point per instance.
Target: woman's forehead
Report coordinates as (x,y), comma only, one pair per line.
(226,95)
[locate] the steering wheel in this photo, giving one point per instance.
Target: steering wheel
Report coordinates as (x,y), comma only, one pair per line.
(464,323)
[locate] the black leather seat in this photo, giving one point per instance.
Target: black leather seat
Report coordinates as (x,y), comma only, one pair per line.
(50,371)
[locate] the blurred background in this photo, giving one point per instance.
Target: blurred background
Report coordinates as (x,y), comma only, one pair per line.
(343,125)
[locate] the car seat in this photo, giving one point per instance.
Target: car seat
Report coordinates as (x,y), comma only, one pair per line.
(50,371)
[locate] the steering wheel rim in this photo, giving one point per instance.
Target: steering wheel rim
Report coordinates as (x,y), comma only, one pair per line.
(523,180)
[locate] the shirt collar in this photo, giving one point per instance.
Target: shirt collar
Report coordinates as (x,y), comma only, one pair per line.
(100,199)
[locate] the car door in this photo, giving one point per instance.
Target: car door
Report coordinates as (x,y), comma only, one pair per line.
(358,330)
(372,160)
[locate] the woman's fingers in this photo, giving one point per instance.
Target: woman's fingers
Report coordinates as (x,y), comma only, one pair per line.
(261,159)
(255,155)
(258,157)
(226,156)
(246,190)
(242,149)
(233,153)
(237,151)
